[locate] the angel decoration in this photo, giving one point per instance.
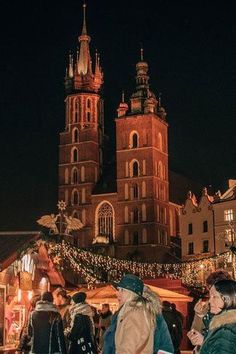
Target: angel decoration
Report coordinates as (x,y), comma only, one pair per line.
(60,223)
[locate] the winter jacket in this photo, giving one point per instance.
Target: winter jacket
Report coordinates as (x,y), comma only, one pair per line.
(162,339)
(221,338)
(175,326)
(81,330)
(46,330)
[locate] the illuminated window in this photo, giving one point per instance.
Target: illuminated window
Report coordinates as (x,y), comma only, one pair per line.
(228,215)
(205,246)
(105,220)
(191,248)
(205,226)
(229,235)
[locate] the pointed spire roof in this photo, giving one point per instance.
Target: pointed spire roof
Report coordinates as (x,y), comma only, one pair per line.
(83,64)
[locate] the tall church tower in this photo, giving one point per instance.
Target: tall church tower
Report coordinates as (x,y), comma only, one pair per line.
(80,150)
(142,171)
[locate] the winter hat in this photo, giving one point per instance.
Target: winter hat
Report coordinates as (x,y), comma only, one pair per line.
(47,296)
(79,297)
(131,282)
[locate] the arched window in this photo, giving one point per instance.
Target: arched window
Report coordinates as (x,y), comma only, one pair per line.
(134,168)
(75,137)
(66,176)
(160,142)
(74,176)
(88,103)
(133,140)
(144,235)
(74,155)
(82,172)
(75,214)
(135,238)
(104,219)
(134,191)
(75,197)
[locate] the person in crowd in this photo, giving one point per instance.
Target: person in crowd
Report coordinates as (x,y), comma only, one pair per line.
(133,326)
(62,301)
(221,337)
(45,327)
(96,317)
(25,340)
(9,316)
(175,325)
(81,332)
(202,310)
(104,322)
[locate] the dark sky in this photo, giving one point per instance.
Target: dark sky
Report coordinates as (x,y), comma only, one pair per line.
(190,48)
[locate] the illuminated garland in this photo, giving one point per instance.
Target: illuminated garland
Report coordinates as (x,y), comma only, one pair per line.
(90,266)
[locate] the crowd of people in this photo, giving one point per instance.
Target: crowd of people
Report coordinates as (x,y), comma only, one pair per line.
(60,324)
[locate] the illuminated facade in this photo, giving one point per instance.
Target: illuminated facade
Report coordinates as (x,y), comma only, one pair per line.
(133,219)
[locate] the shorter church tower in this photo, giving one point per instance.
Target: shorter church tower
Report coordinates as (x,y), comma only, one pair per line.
(80,151)
(142,172)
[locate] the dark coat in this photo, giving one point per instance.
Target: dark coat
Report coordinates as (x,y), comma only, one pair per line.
(46,330)
(175,326)
(81,336)
(221,338)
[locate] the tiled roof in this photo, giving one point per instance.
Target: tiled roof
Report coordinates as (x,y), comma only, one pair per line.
(11,243)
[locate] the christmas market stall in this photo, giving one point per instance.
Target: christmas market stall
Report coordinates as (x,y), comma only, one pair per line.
(25,270)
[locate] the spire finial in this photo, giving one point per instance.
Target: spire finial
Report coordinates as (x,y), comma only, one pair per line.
(84,30)
(141,51)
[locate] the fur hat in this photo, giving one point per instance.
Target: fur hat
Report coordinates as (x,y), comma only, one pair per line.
(131,282)
(79,297)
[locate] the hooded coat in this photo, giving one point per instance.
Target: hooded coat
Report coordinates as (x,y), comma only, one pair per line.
(46,330)
(81,330)
(221,338)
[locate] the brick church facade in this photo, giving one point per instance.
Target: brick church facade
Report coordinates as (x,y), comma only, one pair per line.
(134,219)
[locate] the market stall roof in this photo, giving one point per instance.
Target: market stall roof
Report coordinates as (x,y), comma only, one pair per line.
(12,243)
(107,294)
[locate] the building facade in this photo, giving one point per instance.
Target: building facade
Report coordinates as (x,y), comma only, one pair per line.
(207,226)
(134,219)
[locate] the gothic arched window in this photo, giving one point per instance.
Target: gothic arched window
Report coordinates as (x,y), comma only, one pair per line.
(105,220)
(133,140)
(74,155)
(134,168)
(75,138)
(75,198)
(74,176)
(136,215)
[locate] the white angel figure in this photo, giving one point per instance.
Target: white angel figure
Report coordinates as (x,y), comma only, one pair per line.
(49,221)
(72,224)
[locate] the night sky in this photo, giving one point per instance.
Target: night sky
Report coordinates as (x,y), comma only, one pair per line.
(190,49)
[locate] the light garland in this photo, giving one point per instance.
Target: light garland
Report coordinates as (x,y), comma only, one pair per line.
(90,266)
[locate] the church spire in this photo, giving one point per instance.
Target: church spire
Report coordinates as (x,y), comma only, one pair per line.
(83,64)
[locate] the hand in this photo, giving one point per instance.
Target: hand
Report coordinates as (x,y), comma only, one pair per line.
(195,337)
(201,308)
